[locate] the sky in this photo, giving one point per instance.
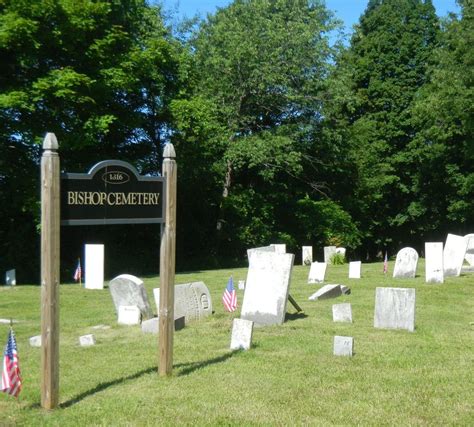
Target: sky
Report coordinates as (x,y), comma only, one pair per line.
(348,11)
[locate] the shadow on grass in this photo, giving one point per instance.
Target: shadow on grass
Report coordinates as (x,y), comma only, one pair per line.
(102,386)
(295,316)
(189,368)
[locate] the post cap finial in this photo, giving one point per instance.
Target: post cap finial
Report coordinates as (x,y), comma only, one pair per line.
(50,142)
(169,152)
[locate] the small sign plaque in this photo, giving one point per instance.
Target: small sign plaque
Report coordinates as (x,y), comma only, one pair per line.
(111,193)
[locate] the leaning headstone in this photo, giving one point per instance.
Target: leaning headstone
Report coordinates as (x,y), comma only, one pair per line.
(342,312)
(241,334)
(129,315)
(151,326)
(329,251)
(453,255)
(267,287)
(35,341)
(343,346)
(307,255)
(191,301)
(94,267)
(87,340)
(405,264)
(10,277)
(469,257)
(317,272)
(329,291)
(395,308)
(434,272)
(354,269)
(129,290)
(279,248)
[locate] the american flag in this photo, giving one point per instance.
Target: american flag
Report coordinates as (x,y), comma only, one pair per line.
(11,381)
(230,297)
(385,264)
(78,272)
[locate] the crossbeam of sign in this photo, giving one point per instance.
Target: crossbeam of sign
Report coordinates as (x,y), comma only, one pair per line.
(112,192)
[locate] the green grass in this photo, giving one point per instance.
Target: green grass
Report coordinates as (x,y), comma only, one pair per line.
(289,376)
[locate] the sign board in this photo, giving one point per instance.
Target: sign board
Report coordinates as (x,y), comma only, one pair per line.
(111,193)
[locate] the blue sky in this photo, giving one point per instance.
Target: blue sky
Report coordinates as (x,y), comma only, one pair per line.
(347,10)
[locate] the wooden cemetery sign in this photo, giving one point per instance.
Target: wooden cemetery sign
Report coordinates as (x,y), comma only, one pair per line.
(111,193)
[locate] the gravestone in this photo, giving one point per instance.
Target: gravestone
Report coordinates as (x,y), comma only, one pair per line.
(329,291)
(94,267)
(307,255)
(469,257)
(343,346)
(405,264)
(434,272)
(453,255)
(241,334)
(267,287)
(241,285)
(317,272)
(341,251)
(129,315)
(87,340)
(191,301)
(354,269)
(35,341)
(279,248)
(329,251)
(151,326)
(129,290)
(10,277)
(395,308)
(342,312)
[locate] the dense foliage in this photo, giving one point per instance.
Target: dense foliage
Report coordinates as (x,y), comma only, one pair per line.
(280,136)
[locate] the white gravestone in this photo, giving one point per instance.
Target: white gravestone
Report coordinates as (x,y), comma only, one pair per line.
(329,251)
(241,285)
(329,291)
(94,267)
(35,341)
(87,340)
(395,308)
(307,255)
(469,257)
(434,272)
(241,334)
(191,301)
(342,312)
(341,251)
(279,248)
(405,264)
(343,346)
(453,255)
(317,272)
(354,269)
(129,315)
(267,287)
(129,290)
(10,277)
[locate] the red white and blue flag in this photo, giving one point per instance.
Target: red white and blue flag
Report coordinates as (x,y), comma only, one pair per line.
(78,272)
(230,296)
(385,264)
(11,380)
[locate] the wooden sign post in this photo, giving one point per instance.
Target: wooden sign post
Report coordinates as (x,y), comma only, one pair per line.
(167,265)
(50,225)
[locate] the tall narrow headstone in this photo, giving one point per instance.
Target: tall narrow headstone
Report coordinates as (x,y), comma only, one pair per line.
(329,251)
(406,262)
(307,255)
(267,287)
(94,266)
(242,331)
(317,272)
(395,308)
(434,271)
(10,277)
(453,255)
(354,269)
(469,257)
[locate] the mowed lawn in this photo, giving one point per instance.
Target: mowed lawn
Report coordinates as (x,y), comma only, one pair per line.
(289,377)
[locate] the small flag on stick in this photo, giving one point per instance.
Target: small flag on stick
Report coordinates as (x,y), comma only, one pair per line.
(78,272)
(230,296)
(385,264)
(11,380)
